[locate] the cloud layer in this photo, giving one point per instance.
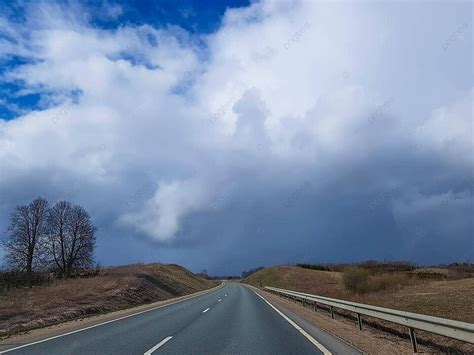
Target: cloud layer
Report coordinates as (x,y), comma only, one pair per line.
(298,131)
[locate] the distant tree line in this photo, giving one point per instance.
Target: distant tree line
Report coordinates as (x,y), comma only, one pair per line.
(60,238)
(203,274)
(244,274)
(314,267)
(372,265)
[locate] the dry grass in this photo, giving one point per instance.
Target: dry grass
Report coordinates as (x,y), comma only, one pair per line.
(447,298)
(113,289)
(296,278)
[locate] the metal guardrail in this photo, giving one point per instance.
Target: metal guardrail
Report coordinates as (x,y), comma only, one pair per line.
(450,328)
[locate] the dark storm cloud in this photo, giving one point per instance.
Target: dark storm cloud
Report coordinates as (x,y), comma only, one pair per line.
(234,149)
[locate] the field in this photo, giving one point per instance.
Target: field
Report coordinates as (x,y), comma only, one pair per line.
(420,295)
(112,289)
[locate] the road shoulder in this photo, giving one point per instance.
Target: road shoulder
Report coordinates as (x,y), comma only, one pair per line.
(87,322)
(333,343)
(369,340)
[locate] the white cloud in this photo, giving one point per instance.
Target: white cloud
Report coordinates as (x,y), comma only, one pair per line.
(281,91)
(449,131)
(160,217)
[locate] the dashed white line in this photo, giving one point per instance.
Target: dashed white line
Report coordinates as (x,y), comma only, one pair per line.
(205,310)
(301,330)
(225,295)
(220,299)
(160,344)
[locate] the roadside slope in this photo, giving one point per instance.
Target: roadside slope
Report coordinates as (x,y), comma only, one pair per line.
(327,283)
(113,289)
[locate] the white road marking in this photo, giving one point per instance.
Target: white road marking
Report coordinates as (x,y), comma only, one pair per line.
(205,310)
(161,343)
(301,330)
(220,299)
(109,321)
(225,295)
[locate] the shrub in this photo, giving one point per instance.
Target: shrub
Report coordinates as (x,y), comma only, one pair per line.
(428,275)
(460,270)
(361,281)
(355,279)
(382,282)
(13,279)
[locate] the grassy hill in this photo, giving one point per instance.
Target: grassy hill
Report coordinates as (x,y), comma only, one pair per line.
(326,283)
(112,289)
(448,298)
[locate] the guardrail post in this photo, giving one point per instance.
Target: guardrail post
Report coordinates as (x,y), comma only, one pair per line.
(315,307)
(413,340)
(332,311)
(359,321)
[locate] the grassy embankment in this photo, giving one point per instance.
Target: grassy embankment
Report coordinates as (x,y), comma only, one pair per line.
(112,289)
(438,292)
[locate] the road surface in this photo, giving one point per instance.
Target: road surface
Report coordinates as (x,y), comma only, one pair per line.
(232,319)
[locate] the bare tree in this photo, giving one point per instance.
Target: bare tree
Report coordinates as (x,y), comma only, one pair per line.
(58,219)
(82,230)
(27,231)
(71,238)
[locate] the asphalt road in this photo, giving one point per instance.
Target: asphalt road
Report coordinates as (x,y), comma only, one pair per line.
(232,319)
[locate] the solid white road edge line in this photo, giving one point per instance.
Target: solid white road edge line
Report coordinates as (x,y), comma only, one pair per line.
(205,310)
(161,343)
(109,321)
(301,330)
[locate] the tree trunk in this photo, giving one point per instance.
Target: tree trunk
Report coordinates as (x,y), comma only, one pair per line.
(29,263)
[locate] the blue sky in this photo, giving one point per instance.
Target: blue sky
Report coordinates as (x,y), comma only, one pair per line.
(196,17)
(193,16)
(227,135)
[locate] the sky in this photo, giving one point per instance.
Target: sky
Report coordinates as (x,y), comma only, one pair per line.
(225,135)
